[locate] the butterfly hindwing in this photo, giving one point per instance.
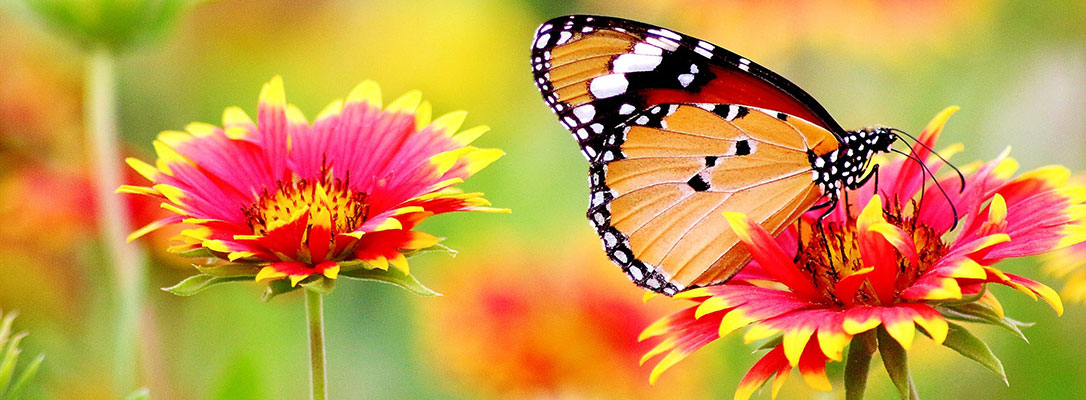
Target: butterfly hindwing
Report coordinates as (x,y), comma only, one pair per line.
(661,182)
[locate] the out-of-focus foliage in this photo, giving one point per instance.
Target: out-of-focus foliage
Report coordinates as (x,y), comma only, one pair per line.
(1017,68)
(116,24)
(14,377)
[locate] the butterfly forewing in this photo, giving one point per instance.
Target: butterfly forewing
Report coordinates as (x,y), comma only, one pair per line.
(595,72)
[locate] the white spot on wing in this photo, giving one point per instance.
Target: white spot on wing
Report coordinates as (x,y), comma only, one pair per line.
(744,64)
(564,37)
(685,79)
(664,43)
(666,33)
(733,111)
(608,86)
(636,62)
(647,49)
(584,112)
(626,109)
(542,41)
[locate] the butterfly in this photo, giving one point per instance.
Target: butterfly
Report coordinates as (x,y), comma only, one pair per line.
(678,130)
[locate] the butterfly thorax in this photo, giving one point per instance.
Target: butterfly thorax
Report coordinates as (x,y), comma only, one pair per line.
(847,166)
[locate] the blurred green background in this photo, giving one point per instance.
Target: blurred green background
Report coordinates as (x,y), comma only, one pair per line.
(560,316)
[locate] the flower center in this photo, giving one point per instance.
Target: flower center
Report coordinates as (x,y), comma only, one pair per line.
(324,198)
(830,253)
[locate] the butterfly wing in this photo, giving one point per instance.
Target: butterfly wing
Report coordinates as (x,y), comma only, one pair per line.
(678,130)
(664,177)
(595,72)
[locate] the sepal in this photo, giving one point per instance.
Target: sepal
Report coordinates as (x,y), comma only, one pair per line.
(277,287)
(437,248)
(391,276)
(965,343)
(896,362)
(229,270)
(319,284)
(983,314)
(858,365)
(198,283)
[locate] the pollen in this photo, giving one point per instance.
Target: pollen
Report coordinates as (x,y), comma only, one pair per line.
(830,252)
(326,200)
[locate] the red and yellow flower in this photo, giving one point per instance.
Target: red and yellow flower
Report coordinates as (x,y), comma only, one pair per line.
(281,199)
(540,323)
(895,266)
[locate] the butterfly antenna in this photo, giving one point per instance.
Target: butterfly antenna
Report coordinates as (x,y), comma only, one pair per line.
(961,177)
(924,167)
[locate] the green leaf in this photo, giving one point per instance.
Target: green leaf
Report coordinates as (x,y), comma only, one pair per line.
(24,378)
(391,276)
(858,364)
(10,358)
(321,285)
(277,287)
(352,265)
(139,394)
(229,270)
(437,248)
(5,328)
(982,314)
(198,283)
(970,346)
(897,364)
(202,252)
(771,343)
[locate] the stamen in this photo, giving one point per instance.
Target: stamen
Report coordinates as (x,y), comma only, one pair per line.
(347,209)
(830,252)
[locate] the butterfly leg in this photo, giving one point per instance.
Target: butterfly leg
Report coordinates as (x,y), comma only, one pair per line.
(830,206)
(874,173)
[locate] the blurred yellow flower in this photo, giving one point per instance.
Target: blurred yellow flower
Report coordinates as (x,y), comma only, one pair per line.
(1069,264)
(764,29)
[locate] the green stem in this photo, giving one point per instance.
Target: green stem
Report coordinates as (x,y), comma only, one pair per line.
(100,113)
(314,307)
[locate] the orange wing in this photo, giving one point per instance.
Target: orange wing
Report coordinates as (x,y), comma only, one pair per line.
(663,178)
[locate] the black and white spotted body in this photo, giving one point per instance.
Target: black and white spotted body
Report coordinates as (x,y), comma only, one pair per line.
(846,167)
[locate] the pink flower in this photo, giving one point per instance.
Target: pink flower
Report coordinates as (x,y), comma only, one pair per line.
(281,199)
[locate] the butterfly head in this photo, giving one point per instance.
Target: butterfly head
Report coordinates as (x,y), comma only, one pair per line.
(879,138)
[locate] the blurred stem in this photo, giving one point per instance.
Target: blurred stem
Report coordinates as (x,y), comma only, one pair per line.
(314,307)
(100,112)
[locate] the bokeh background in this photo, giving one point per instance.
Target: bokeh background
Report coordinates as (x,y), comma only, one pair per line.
(531,309)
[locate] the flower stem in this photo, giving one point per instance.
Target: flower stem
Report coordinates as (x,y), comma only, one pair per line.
(314,307)
(100,113)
